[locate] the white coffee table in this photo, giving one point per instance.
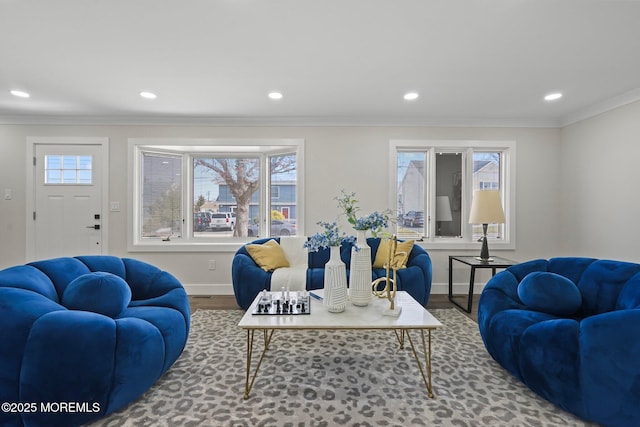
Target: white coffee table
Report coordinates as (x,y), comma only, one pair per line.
(413,317)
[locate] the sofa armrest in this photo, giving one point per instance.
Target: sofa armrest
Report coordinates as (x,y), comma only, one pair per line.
(176,298)
(609,369)
(248,279)
(415,278)
(499,294)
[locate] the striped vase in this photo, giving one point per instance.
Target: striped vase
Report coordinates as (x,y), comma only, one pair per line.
(335,282)
(360,272)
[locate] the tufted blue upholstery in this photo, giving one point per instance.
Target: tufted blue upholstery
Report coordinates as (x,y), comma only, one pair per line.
(249,279)
(98,292)
(585,362)
(550,293)
(51,353)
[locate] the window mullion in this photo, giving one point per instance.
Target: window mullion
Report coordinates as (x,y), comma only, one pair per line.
(467,195)
(429,194)
(187,197)
(265,196)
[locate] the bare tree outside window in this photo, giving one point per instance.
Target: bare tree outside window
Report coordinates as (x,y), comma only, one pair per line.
(239,178)
(228,190)
(242,178)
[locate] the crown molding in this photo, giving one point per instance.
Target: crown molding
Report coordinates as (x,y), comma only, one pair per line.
(601,107)
(133,120)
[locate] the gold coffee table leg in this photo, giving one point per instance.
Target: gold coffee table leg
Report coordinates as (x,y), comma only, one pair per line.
(268,334)
(426,349)
(400,336)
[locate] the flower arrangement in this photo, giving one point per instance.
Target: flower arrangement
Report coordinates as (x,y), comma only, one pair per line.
(376,221)
(329,237)
(348,203)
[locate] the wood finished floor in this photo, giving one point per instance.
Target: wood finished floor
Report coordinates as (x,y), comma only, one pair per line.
(228,302)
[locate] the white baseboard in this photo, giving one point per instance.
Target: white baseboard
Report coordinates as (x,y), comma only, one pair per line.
(227,289)
(208,289)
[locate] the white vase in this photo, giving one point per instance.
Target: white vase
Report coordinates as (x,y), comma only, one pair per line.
(335,282)
(360,271)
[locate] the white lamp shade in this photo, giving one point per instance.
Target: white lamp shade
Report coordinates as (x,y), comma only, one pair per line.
(486,208)
(443,209)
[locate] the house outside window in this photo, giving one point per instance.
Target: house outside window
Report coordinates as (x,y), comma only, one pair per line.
(433,183)
(199,192)
(275,192)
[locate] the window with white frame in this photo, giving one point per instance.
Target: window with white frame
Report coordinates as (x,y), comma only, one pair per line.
(433,184)
(193,192)
(68,169)
(161,194)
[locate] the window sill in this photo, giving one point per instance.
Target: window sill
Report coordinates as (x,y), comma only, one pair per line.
(464,245)
(233,245)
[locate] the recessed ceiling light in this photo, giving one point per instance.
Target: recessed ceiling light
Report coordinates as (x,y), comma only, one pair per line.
(410,96)
(553,96)
(148,95)
(20,94)
(275,95)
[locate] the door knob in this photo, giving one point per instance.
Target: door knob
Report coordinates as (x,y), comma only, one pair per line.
(95,227)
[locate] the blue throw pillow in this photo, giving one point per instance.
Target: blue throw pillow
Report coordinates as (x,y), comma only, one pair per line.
(550,293)
(98,292)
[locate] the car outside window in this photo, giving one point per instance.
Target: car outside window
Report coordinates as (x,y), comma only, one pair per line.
(213,191)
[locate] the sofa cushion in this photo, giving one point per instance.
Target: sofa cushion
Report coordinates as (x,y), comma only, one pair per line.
(383,253)
(601,284)
(550,293)
(29,278)
(99,292)
(268,256)
(630,294)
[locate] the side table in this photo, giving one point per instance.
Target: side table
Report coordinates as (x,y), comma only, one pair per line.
(474,263)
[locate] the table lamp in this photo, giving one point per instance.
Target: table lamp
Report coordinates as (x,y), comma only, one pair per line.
(486,208)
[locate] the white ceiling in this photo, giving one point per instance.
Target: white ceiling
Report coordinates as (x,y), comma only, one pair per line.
(473,62)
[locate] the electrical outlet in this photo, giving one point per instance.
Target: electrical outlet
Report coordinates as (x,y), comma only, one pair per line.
(212,264)
(8,194)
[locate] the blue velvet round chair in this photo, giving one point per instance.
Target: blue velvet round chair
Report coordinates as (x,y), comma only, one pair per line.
(249,279)
(93,331)
(569,328)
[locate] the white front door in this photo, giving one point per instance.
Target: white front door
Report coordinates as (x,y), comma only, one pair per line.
(68,214)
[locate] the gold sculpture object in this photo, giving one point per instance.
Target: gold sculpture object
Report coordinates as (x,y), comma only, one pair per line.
(394,263)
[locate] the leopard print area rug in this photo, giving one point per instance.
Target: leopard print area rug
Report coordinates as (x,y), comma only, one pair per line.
(336,378)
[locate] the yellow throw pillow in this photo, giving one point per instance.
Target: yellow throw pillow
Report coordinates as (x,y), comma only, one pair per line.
(400,259)
(268,256)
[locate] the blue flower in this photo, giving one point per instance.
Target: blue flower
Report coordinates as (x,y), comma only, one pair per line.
(329,237)
(375,222)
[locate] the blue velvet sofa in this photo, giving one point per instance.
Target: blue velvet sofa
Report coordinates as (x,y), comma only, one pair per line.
(94,332)
(569,328)
(249,279)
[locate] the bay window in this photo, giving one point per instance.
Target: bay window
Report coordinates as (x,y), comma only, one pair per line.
(190,193)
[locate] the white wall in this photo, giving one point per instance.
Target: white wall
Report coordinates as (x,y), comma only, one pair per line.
(600,174)
(353,158)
